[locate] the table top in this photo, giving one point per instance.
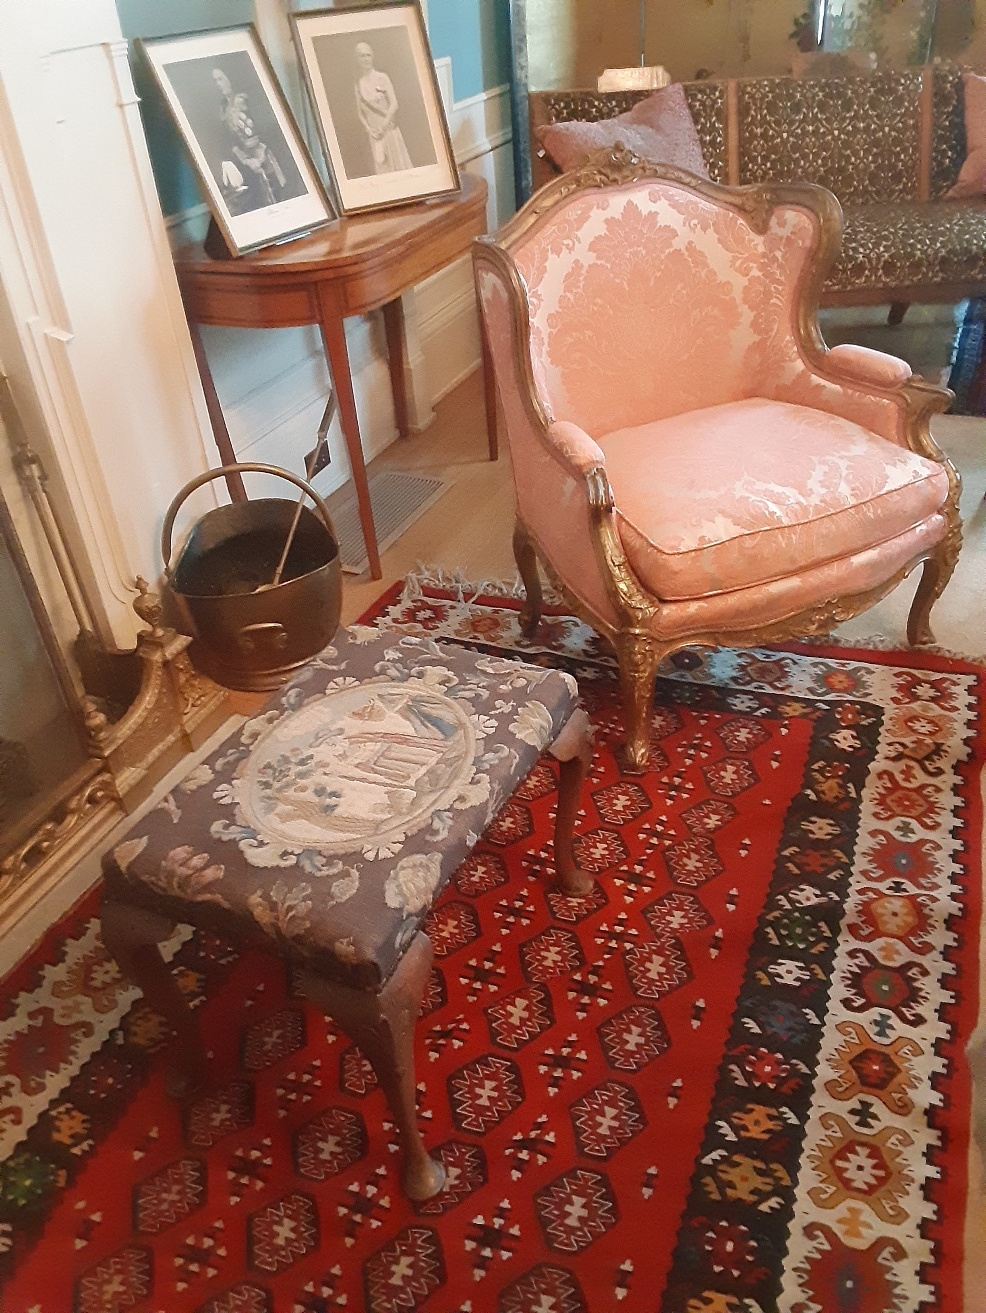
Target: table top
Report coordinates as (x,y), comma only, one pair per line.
(347,242)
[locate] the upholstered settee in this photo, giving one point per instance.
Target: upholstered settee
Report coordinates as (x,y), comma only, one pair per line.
(889,145)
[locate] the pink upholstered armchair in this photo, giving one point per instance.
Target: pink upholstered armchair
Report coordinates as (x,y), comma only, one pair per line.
(691,462)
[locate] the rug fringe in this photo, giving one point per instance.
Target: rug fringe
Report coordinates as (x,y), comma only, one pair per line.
(467,590)
(881,643)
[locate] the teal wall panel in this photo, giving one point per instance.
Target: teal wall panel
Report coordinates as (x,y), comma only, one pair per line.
(476,34)
(176,181)
(165,17)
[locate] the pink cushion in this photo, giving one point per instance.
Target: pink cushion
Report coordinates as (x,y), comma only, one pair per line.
(744,493)
(659,128)
(765,604)
(972,178)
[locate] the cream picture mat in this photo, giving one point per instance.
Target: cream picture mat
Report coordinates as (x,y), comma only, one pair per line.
(272,222)
(326,75)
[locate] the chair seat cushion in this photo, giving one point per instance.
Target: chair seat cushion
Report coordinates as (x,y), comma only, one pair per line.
(911,244)
(333,817)
(744,493)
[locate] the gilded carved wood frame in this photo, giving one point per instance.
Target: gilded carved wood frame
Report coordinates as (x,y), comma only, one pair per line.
(638,649)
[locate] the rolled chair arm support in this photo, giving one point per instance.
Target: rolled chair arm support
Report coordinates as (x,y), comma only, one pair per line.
(861,364)
(579,451)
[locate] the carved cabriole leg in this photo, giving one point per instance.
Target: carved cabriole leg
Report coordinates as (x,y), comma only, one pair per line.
(131,935)
(935,574)
(572,749)
(527,564)
(639,656)
(383,1027)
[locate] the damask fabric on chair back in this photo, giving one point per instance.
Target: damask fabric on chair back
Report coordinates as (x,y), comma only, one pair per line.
(648,300)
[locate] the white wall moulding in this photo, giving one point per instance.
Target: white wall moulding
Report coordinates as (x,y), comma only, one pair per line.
(96,325)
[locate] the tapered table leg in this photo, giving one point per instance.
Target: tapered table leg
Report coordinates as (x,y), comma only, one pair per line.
(393,322)
(337,353)
(383,1027)
(220,431)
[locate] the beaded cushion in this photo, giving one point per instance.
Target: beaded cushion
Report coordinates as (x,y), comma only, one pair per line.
(332,818)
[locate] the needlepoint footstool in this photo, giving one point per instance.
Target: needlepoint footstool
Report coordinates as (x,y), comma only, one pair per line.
(326,826)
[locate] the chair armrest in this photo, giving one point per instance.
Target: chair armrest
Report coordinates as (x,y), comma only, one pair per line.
(561,490)
(575,446)
(564,500)
(861,364)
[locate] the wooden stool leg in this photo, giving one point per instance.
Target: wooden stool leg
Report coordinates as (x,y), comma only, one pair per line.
(131,935)
(383,1026)
(572,749)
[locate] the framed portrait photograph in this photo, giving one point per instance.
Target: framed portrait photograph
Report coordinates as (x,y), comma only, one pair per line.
(372,82)
(258,177)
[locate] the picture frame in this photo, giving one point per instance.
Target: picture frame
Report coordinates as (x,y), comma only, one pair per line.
(372,82)
(258,177)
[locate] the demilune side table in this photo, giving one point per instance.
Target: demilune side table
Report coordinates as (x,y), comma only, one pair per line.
(351,267)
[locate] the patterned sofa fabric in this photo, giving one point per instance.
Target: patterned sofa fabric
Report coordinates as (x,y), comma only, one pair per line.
(332,818)
(857,136)
(863,137)
(941,243)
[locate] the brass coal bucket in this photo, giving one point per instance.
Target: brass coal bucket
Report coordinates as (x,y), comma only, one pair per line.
(252,633)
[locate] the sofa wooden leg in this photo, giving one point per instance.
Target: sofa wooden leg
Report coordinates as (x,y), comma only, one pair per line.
(898,309)
(527,564)
(935,574)
(131,935)
(572,749)
(383,1027)
(639,656)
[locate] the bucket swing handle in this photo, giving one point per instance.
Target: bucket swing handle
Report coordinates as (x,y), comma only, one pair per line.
(220,472)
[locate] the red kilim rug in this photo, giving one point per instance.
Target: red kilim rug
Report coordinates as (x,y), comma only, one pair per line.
(731,1081)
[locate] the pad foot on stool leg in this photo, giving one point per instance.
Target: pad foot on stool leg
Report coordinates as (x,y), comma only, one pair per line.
(383,1027)
(572,749)
(131,936)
